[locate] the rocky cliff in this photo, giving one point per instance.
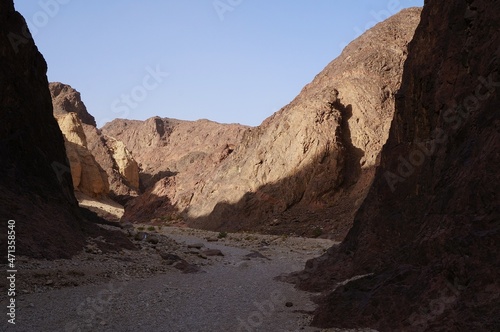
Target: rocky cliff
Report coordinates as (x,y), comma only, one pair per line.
(307,168)
(424,245)
(66,100)
(88,176)
(100,165)
(174,157)
(35,187)
(118,162)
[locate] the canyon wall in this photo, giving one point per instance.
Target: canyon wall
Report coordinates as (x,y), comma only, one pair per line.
(174,157)
(35,187)
(308,167)
(424,245)
(100,165)
(305,170)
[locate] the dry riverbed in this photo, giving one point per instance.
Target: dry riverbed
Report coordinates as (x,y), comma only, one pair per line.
(178,279)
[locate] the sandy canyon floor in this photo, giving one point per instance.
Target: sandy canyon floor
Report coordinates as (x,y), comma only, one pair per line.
(177,279)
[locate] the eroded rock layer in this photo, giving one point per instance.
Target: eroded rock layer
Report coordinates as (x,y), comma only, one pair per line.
(88,176)
(66,100)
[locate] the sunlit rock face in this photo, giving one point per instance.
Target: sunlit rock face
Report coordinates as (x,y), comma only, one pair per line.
(307,168)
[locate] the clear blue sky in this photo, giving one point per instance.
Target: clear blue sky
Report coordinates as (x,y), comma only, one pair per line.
(227,60)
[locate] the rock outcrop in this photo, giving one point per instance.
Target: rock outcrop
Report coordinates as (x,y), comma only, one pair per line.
(66,100)
(35,187)
(308,167)
(88,176)
(117,161)
(174,157)
(120,179)
(424,245)
(305,170)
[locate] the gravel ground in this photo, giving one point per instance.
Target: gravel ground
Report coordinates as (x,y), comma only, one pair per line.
(233,292)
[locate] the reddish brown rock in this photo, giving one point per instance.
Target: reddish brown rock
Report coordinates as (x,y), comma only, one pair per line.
(427,234)
(174,157)
(307,168)
(66,100)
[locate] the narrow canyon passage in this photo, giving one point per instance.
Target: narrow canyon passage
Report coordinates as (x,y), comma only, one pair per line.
(236,293)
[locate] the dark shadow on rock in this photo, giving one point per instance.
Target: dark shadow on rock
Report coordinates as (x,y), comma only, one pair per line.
(313,202)
(148,207)
(148,180)
(266,210)
(96,219)
(120,199)
(352,168)
(319,200)
(424,250)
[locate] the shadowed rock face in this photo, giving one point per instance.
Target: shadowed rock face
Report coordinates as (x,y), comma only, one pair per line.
(35,187)
(428,231)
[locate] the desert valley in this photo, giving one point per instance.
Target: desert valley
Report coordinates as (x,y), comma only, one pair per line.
(368,203)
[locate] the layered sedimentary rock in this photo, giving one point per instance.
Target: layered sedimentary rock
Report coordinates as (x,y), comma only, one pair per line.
(426,237)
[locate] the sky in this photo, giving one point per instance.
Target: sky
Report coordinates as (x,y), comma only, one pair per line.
(230,61)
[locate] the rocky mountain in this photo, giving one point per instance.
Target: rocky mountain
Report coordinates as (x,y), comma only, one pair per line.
(100,165)
(66,100)
(174,157)
(308,167)
(305,170)
(423,251)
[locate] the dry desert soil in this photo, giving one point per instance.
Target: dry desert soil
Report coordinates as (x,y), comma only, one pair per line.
(175,279)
